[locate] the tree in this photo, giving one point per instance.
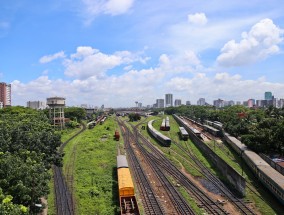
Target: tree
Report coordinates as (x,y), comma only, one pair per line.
(134,117)
(23,176)
(75,113)
(7,207)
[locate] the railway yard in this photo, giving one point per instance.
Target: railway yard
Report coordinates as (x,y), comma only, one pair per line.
(171,179)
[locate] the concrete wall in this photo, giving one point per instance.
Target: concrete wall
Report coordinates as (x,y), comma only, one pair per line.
(235,179)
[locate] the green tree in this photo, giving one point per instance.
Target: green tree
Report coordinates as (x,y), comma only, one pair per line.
(7,207)
(75,113)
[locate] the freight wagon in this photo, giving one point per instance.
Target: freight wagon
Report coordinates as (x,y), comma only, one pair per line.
(127,199)
(116,135)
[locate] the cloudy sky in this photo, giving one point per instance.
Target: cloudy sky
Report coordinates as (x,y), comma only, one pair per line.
(116,52)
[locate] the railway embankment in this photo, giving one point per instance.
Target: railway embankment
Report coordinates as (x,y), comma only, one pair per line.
(237,181)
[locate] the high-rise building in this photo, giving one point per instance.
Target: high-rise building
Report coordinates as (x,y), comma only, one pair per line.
(160,103)
(38,105)
(178,102)
(231,103)
(280,103)
(251,103)
(139,104)
(201,102)
(219,103)
(187,103)
(5,94)
(169,100)
(268,96)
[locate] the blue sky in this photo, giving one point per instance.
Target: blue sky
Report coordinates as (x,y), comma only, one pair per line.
(117,52)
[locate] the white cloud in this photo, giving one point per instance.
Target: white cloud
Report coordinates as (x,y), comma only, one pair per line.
(259,43)
(224,86)
(116,7)
(87,62)
(199,38)
(197,19)
(83,51)
(111,7)
(49,58)
(186,62)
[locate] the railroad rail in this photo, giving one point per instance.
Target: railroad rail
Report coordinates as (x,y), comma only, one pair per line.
(177,200)
(63,197)
(150,202)
(204,201)
(239,204)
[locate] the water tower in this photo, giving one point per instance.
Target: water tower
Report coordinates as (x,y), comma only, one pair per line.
(56,111)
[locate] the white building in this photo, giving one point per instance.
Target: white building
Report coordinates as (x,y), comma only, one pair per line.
(201,102)
(169,100)
(160,103)
(178,102)
(37,105)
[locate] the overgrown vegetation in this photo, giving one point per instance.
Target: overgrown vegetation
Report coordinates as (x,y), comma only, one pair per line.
(91,159)
(28,148)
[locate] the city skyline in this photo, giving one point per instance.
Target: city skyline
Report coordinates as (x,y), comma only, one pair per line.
(114,53)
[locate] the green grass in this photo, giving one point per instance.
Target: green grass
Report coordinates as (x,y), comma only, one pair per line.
(51,197)
(94,168)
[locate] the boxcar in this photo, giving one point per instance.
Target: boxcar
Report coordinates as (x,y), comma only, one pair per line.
(127,199)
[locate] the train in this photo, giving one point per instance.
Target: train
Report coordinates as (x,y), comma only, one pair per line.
(127,199)
(116,135)
(212,130)
(164,140)
(183,133)
(165,126)
(187,126)
(195,131)
(269,177)
(215,124)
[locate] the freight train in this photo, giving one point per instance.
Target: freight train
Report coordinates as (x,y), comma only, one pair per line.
(127,199)
(269,177)
(164,140)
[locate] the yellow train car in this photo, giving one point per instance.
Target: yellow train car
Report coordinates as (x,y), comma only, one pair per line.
(125,183)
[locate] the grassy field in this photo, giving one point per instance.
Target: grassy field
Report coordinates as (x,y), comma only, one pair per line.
(91,159)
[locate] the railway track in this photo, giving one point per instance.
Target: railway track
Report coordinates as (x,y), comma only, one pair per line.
(150,202)
(203,200)
(177,200)
(63,197)
(237,202)
(218,183)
